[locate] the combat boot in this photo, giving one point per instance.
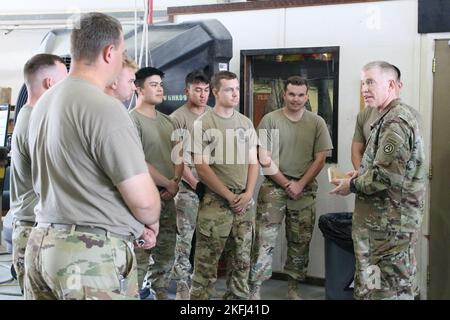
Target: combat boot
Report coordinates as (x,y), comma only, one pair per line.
(161,294)
(182,291)
(293,292)
(255,292)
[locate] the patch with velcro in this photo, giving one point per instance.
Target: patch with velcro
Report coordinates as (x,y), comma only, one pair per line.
(390,144)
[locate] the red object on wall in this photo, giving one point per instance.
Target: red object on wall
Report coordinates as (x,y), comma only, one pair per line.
(150,12)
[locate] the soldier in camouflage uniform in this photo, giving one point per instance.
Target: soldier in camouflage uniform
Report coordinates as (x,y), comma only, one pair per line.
(41,72)
(87,166)
(187,199)
(226,161)
(389,188)
(155,130)
(293,147)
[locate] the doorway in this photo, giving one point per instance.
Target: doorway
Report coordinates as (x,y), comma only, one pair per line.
(264,71)
(439,256)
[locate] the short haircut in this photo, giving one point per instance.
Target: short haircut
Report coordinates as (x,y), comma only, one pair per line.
(219,76)
(127,62)
(196,76)
(399,74)
(92,33)
(37,63)
(296,81)
(385,67)
(144,73)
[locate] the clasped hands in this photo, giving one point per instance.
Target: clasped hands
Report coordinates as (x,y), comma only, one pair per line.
(148,238)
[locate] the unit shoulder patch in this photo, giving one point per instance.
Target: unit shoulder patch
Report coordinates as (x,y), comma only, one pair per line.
(390,143)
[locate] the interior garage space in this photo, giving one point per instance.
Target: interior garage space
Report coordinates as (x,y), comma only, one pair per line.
(85,187)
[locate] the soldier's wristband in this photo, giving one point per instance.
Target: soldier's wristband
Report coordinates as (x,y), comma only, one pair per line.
(352,185)
(200,190)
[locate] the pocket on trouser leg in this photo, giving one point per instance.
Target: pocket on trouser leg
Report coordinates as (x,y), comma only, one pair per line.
(205,267)
(299,229)
(20,239)
(130,286)
(35,287)
(95,267)
(390,266)
(271,205)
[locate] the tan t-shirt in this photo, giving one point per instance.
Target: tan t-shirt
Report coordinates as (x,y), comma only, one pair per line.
(183,120)
(363,122)
(82,144)
(155,134)
(298,141)
(227,142)
(23,198)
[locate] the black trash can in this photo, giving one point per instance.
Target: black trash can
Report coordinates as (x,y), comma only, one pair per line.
(339,255)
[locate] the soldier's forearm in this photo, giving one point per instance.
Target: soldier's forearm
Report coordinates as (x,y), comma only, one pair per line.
(313,170)
(189,177)
(253,172)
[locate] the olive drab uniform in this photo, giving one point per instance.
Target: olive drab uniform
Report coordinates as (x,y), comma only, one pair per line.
(218,227)
(154,265)
(364,120)
(82,246)
(23,197)
(389,206)
(298,142)
(186,200)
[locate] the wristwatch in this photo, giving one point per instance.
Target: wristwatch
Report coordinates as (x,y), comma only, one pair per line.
(352,185)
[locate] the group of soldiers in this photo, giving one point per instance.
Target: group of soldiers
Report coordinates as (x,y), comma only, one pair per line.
(106,203)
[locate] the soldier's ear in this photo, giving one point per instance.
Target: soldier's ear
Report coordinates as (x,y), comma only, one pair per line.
(114,85)
(392,84)
(47,83)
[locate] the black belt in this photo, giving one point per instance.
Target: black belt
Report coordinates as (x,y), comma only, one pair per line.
(94,230)
(24,223)
(237,191)
(187,185)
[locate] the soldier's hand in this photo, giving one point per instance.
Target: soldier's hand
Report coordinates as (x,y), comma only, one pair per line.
(241,203)
(154,227)
(172,188)
(352,173)
(232,200)
(294,190)
(148,238)
(342,187)
(166,195)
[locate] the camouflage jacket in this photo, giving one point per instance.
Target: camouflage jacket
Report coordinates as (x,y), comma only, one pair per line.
(390,187)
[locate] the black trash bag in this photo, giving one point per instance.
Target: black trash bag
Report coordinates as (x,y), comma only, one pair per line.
(337,227)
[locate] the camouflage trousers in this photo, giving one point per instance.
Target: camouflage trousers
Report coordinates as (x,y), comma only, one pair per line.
(217,227)
(20,236)
(186,203)
(155,265)
(274,205)
(68,264)
(385,264)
